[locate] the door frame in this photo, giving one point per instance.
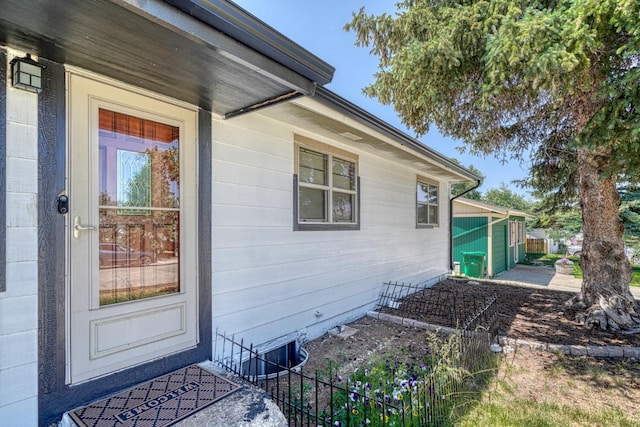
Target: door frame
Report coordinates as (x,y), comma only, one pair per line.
(54,396)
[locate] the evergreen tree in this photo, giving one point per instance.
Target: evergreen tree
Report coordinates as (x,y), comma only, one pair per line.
(560,77)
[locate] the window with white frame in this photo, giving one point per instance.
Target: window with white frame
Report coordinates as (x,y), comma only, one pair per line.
(521,232)
(327,186)
(513,230)
(426,203)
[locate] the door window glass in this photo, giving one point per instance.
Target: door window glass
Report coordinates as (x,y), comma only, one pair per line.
(139,208)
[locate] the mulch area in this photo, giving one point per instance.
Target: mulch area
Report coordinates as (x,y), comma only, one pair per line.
(526,313)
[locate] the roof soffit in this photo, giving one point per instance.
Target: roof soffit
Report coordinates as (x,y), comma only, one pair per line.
(153,45)
(319,119)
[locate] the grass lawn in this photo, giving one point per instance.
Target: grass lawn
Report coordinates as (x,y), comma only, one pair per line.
(542,389)
(550,259)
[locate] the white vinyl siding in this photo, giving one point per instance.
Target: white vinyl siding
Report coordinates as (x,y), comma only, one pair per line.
(270,281)
(19,303)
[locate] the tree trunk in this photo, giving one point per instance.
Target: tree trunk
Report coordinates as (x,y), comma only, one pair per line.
(605,299)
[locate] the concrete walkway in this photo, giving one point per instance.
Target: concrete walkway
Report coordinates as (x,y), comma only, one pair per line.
(531,275)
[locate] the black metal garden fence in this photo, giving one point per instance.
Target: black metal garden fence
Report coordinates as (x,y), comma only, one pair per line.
(453,307)
(427,395)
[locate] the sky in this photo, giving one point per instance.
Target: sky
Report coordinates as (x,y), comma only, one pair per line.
(318,27)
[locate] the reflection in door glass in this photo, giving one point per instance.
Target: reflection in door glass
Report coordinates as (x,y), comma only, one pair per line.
(139,208)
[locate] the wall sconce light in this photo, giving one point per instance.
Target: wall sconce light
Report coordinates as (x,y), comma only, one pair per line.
(27,74)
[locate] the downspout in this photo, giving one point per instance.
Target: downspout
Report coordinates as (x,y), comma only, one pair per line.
(478,183)
(266,103)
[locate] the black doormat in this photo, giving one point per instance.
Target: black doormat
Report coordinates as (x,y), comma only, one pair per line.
(160,402)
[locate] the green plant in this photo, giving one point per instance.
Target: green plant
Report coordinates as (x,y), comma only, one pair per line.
(299,397)
(331,369)
(391,390)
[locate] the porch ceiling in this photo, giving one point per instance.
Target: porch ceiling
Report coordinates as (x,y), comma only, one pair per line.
(188,49)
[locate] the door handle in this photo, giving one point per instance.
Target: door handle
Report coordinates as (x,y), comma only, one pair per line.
(77,227)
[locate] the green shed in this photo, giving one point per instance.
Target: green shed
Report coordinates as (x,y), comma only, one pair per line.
(497,231)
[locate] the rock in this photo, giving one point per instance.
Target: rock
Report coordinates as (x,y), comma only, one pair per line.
(496,348)
(507,349)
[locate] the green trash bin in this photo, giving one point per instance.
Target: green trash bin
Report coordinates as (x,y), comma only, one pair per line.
(474,264)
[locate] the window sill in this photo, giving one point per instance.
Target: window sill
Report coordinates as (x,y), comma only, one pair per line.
(324,227)
(426,226)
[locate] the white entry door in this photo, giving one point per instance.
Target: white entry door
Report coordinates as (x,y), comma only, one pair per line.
(132,228)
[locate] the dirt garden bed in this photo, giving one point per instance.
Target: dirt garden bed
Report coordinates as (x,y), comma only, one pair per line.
(527,313)
(524,313)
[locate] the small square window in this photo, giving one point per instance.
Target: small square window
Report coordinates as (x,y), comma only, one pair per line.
(313,204)
(313,167)
(343,207)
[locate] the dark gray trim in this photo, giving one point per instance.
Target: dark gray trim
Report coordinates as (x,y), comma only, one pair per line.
(335,101)
(298,226)
(51,232)
(251,31)
(205,235)
(3,170)
(426,226)
(54,397)
(51,242)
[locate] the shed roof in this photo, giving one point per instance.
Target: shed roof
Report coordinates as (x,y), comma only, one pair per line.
(491,208)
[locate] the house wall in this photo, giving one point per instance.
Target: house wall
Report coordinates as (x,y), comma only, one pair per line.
(18,304)
(270,281)
(267,280)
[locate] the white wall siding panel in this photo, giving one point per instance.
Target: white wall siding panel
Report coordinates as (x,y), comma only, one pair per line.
(22,106)
(21,136)
(13,318)
(23,246)
(24,277)
(22,175)
(19,348)
(252,196)
(251,216)
(16,384)
(23,210)
(21,413)
(19,304)
(270,281)
(261,156)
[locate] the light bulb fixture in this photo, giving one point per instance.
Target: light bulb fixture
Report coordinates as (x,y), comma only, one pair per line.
(27,74)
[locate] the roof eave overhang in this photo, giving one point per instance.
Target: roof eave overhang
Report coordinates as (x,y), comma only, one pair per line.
(333,100)
(208,53)
(253,32)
